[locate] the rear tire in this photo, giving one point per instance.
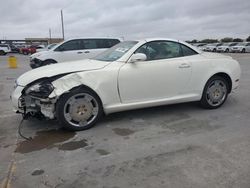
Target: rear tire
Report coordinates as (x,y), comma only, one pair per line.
(79,109)
(215,93)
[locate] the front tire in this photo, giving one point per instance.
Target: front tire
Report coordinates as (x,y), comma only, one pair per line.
(215,93)
(2,52)
(79,109)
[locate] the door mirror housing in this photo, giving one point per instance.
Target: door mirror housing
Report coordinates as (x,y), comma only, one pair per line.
(138,57)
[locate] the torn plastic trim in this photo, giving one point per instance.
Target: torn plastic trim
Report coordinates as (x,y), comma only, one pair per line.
(66,83)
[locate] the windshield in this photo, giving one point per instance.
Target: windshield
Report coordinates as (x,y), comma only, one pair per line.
(212,44)
(51,46)
(116,52)
(233,44)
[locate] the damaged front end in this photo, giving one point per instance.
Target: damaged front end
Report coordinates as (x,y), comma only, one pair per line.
(35,101)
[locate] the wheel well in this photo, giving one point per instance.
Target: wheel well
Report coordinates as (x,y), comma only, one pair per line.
(50,60)
(227,78)
(88,88)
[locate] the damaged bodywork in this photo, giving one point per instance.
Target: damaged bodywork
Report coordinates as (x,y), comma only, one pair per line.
(41,96)
(130,75)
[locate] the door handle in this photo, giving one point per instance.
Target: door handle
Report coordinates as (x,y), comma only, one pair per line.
(184,65)
(86,52)
(79,52)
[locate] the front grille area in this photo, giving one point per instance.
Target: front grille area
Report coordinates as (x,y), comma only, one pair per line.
(21,102)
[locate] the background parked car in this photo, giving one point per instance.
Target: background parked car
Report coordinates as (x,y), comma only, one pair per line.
(212,47)
(4,49)
(200,46)
(14,49)
(241,47)
(70,50)
(31,49)
(225,47)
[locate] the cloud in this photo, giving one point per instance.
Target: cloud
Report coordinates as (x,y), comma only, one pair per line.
(131,19)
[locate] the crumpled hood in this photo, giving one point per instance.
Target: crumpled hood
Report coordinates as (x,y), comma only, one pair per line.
(60,68)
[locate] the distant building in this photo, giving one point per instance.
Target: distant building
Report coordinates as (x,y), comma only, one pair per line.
(43,40)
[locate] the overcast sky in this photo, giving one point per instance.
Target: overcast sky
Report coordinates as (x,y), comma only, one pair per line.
(180,19)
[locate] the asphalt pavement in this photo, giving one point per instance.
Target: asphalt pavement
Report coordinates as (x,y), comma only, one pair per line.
(170,146)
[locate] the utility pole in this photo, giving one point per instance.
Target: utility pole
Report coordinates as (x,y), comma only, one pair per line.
(62,24)
(49,35)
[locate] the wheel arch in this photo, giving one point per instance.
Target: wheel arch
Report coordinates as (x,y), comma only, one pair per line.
(79,87)
(50,59)
(83,86)
(226,77)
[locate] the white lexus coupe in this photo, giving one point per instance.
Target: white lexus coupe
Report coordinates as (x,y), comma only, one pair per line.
(130,75)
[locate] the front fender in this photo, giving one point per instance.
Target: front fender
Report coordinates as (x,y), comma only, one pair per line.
(104,84)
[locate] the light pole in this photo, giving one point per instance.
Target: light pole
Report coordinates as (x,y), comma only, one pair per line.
(49,35)
(62,24)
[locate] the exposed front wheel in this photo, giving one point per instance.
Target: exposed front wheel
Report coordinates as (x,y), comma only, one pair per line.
(79,109)
(215,93)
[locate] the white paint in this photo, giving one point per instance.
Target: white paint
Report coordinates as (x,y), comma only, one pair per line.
(123,86)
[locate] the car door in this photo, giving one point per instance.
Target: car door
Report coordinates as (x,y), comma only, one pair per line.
(163,75)
(91,48)
(94,47)
(68,51)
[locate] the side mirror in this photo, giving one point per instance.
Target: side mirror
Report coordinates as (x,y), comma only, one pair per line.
(138,57)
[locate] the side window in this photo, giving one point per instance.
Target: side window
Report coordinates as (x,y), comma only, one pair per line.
(113,42)
(106,43)
(89,44)
(102,43)
(186,51)
(70,45)
(160,50)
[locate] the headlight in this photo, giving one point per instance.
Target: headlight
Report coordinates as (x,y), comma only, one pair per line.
(42,89)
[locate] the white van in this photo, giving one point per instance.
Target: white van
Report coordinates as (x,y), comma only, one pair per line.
(70,50)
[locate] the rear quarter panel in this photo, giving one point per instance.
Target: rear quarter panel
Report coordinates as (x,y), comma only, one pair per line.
(204,67)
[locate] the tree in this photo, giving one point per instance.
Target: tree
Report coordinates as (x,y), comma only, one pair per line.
(209,41)
(227,39)
(248,39)
(237,40)
(194,41)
